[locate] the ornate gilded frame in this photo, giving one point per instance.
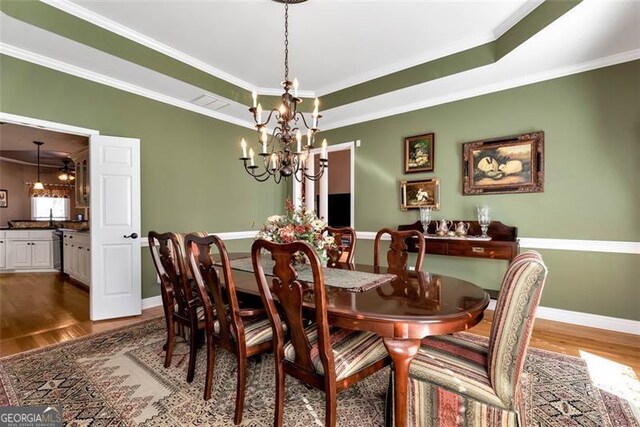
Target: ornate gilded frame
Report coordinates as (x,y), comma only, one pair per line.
(486,169)
(406,190)
(431,142)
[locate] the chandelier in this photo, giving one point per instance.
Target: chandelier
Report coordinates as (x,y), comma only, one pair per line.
(281,152)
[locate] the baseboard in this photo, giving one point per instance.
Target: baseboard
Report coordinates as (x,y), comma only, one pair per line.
(34,270)
(151,302)
(616,324)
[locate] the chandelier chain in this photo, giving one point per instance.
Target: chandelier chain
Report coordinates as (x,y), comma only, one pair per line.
(286,41)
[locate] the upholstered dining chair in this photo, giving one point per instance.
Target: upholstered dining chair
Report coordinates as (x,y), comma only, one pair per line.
(398,254)
(182,308)
(327,358)
(345,251)
(244,332)
(461,382)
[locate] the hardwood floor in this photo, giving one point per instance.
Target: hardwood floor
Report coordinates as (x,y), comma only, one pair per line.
(41,309)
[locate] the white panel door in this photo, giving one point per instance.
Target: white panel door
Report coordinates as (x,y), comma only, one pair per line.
(114,170)
(41,255)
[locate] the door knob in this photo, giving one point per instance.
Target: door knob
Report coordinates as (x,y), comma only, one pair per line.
(132,236)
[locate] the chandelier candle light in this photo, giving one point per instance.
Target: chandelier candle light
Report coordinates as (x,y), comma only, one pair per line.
(283,151)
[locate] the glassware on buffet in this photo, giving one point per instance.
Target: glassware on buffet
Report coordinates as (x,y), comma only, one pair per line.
(483,219)
(425,218)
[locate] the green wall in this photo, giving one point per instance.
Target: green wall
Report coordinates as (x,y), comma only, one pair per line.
(191,178)
(592,146)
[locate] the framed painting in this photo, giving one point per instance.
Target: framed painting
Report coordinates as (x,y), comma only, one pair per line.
(419,153)
(513,164)
(420,194)
(4,198)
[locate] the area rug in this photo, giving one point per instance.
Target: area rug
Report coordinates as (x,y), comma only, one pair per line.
(117,379)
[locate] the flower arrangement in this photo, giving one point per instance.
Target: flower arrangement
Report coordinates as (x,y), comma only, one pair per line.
(298,224)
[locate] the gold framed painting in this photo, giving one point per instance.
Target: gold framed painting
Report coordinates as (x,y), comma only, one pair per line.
(512,164)
(420,194)
(419,153)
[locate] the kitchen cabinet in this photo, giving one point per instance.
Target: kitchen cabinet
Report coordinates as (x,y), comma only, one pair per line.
(27,250)
(3,252)
(77,256)
(82,181)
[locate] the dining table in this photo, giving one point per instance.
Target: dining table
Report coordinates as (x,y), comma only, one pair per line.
(403,309)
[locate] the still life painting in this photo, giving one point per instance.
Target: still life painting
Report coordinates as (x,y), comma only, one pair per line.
(420,194)
(419,153)
(513,164)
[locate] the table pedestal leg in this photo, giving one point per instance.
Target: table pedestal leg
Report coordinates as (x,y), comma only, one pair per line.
(402,353)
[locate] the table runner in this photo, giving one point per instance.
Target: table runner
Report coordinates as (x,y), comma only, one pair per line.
(350,280)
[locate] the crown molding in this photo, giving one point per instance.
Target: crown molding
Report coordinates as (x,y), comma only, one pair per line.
(21,162)
(44,61)
(436,53)
(407,63)
(516,17)
(126,32)
(631,55)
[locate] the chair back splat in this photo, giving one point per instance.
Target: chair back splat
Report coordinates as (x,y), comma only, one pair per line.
(345,251)
(289,291)
(398,255)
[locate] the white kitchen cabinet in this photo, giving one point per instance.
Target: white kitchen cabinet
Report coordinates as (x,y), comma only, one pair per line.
(82,187)
(3,253)
(77,259)
(41,254)
(28,250)
(19,254)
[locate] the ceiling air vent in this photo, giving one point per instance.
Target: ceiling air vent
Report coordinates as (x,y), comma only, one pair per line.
(210,102)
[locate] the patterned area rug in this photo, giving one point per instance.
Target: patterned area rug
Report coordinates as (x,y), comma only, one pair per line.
(117,378)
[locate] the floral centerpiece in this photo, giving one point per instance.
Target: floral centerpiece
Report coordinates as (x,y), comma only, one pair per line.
(298,224)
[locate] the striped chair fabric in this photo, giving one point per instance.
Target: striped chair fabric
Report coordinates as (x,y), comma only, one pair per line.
(180,237)
(455,382)
(352,350)
(256,331)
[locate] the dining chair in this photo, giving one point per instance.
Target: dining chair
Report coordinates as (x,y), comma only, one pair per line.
(327,358)
(344,251)
(245,332)
(182,309)
(398,254)
(461,380)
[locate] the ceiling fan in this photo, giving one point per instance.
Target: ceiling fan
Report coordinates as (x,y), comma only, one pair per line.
(66,173)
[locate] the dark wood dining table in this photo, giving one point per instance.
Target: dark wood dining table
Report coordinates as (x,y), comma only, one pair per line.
(403,311)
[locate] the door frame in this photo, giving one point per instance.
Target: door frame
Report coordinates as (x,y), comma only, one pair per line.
(55,127)
(324,182)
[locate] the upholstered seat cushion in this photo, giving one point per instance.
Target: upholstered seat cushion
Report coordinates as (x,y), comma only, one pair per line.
(352,350)
(256,331)
(431,405)
(455,364)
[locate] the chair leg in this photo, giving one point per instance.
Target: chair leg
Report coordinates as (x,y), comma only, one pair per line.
(211,358)
(192,353)
(279,409)
(171,333)
(242,380)
(331,402)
